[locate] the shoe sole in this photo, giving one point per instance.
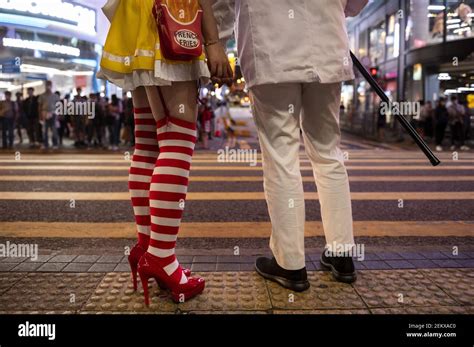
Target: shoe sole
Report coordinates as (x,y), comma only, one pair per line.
(345,278)
(182,297)
(297,286)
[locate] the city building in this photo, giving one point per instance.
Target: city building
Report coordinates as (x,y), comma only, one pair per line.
(417,50)
(59,40)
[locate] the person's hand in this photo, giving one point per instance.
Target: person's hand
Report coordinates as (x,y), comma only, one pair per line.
(221,71)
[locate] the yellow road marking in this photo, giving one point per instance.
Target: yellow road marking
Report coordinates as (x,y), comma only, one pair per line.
(232,229)
(200,153)
(113,196)
(124,178)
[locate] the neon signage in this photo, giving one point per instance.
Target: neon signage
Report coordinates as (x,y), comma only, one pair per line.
(77,17)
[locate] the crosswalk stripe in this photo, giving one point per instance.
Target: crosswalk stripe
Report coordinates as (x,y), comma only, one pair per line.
(113,196)
(231,229)
(124,178)
(212,154)
(211,161)
(236,168)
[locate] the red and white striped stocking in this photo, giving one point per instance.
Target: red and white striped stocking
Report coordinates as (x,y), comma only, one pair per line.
(141,171)
(169,185)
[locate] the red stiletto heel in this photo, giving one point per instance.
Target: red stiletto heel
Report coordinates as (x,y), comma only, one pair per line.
(144,280)
(135,254)
(149,267)
(134,276)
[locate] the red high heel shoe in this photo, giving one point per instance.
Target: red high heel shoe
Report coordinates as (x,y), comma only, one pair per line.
(135,254)
(148,268)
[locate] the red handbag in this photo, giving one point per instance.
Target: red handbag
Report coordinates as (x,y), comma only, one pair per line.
(178,40)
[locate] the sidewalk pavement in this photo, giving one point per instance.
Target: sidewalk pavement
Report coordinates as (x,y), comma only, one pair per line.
(394,282)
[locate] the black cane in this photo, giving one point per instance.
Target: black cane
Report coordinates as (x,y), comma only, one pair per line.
(410,130)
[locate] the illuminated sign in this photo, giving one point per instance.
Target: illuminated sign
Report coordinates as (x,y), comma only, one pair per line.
(42,46)
(70,15)
(417,72)
(470,100)
(444,76)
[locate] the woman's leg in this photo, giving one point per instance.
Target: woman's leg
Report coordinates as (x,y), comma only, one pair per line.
(143,163)
(180,98)
(176,138)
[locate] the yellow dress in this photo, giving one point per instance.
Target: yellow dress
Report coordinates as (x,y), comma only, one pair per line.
(131,55)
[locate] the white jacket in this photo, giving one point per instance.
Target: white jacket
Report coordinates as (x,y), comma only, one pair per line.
(282,41)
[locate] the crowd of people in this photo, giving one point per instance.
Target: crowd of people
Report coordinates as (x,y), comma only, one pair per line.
(445,123)
(109,125)
(450,114)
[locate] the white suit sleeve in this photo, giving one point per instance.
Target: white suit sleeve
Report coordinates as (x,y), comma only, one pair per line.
(224,12)
(354,7)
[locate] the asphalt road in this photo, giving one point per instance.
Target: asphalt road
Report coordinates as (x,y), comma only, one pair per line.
(373,169)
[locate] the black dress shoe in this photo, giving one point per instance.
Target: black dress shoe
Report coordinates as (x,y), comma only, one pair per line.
(341,266)
(296,280)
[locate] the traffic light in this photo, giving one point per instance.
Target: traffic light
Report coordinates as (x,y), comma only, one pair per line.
(374,71)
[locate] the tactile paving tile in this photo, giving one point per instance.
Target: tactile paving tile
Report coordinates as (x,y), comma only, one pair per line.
(225,312)
(51,292)
(458,283)
(424,310)
(115,294)
(356,311)
(8,279)
(230,291)
(324,293)
(399,288)
(37,312)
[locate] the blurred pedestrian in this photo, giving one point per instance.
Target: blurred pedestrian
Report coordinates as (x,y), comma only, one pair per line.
(205,117)
(220,113)
(79,119)
(20,121)
(66,124)
(128,121)
(113,122)
(94,123)
(30,109)
(426,118)
(47,103)
(7,117)
(467,121)
(441,121)
(61,121)
(456,114)
(381,123)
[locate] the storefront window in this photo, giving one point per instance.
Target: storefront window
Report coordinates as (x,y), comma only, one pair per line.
(413,83)
(363,44)
(425,24)
(377,43)
(393,37)
(459,19)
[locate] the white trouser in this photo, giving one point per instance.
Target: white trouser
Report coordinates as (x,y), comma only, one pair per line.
(280,111)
